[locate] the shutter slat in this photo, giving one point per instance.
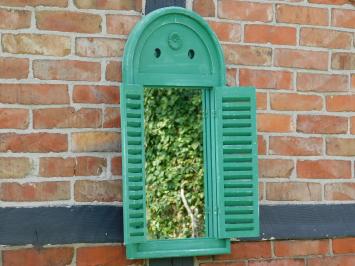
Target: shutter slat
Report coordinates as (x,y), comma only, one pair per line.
(238,213)
(133,163)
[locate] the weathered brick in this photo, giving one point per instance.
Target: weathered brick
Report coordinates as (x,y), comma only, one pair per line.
(246,250)
(344,245)
(238,10)
(293,191)
(96,141)
(343,61)
(340,191)
(231,76)
(112,118)
(59,256)
(340,103)
(22,3)
(302,15)
(14,118)
(44,191)
(266,79)
(35,142)
(341,147)
(295,146)
(67,70)
(226,31)
(116,165)
(36,44)
(343,18)
(301,59)
(294,248)
(67,118)
(90,166)
(331,261)
(275,168)
(352,81)
(352,121)
(270,34)
(261,100)
(110,4)
(278,262)
(295,102)
(68,21)
(325,38)
(329,169)
(274,123)
(114,71)
(322,124)
(56,166)
(104,255)
(121,24)
(205,8)
(12,167)
(247,55)
(321,82)
(14,19)
(101,191)
(96,94)
(329,2)
(223,264)
(99,47)
(13,68)
(261,145)
(34,94)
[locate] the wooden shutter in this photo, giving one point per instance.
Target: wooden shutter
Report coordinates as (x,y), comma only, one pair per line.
(132,113)
(237,171)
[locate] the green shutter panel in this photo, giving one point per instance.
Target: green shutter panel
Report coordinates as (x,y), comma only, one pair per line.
(132,109)
(237,171)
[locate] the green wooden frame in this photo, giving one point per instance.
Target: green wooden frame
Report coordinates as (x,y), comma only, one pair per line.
(158,54)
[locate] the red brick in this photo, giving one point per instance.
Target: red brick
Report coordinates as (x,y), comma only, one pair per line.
(67,118)
(352,81)
(295,102)
(231,76)
(112,118)
(34,94)
(99,47)
(341,147)
(344,245)
(322,82)
(100,191)
(223,264)
(292,191)
(135,5)
(14,118)
(275,168)
(13,68)
(226,32)
(14,167)
(332,261)
(302,15)
(322,124)
(14,19)
(343,18)
(278,262)
(104,255)
(121,24)
(23,3)
(205,8)
(340,103)
(270,34)
(261,100)
(246,250)
(68,21)
(329,2)
(266,79)
(238,10)
(56,167)
(36,142)
(295,146)
(352,120)
(44,191)
(96,94)
(294,248)
(325,38)
(247,55)
(60,256)
(343,61)
(90,166)
(67,70)
(340,191)
(96,141)
(114,71)
(261,145)
(324,169)
(116,165)
(301,59)
(274,123)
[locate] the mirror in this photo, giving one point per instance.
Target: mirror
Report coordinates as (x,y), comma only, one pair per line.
(174,167)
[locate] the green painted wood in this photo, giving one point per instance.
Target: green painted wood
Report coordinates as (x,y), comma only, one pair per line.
(237,166)
(132,111)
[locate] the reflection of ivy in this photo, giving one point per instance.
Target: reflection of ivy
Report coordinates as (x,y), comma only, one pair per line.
(174,158)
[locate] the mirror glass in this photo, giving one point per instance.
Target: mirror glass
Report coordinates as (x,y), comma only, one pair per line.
(174,168)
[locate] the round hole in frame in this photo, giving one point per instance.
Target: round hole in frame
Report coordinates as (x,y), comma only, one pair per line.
(157,52)
(191,53)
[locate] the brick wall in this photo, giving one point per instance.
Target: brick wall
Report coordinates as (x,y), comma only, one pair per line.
(60,71)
